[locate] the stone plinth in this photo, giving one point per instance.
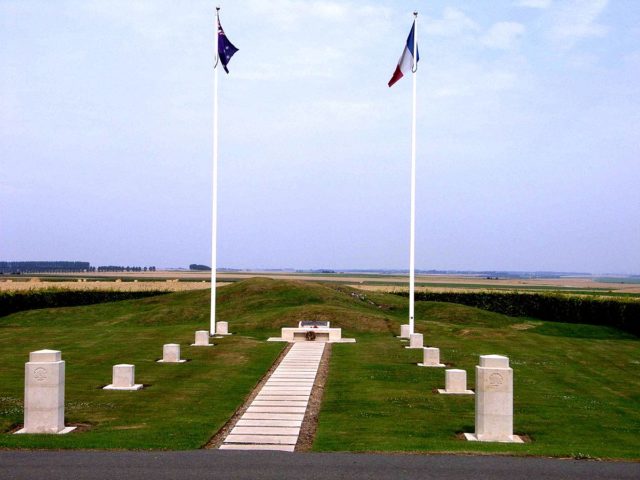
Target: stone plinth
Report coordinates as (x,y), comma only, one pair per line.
(202,339)
(431,357)
(321,334)
(494,401)
(455,382)
(124,378)
(415,340)
(44,393)
(222,328)
(405,331)
(171,353)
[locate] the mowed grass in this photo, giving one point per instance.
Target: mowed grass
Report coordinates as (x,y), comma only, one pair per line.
(184,404)
(577,388)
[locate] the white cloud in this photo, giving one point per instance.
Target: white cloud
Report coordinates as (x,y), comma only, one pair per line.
(503,35)
(534,3)
(453,22)
(577,19)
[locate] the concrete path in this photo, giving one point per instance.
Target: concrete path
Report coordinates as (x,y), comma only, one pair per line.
(274,418)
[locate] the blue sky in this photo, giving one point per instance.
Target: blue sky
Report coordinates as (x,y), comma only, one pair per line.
(528,134)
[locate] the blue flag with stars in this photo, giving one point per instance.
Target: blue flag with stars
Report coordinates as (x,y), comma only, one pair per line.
(226,49)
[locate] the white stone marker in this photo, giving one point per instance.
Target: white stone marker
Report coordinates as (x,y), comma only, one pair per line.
(222,328)
(455,383)
(44,393)
(124,378)
(494,401)
(202,339)
(405,331)
(171,353)
(415,340)
(431,357)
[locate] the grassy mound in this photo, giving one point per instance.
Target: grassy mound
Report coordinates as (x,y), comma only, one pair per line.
(263,305)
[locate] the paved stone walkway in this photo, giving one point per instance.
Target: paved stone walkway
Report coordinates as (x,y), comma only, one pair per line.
(274,418)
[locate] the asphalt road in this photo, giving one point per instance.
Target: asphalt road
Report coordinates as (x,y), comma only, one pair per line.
(231,465)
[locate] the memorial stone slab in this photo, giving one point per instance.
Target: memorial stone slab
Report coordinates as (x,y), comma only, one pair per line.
(222,328)
(44,393)
(415,341)
(455,382)
(202,339)
(431,357)
(494,401)
(405,331)
(124,378)
(171,353)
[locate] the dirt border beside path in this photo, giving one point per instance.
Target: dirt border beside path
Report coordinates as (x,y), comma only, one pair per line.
(310,421)
(218,438)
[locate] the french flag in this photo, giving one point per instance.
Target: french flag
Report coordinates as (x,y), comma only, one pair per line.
(405,64)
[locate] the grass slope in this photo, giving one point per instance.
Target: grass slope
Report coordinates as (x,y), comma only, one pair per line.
(576,391)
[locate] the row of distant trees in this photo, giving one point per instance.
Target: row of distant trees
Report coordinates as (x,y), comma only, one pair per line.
(44,267)
(65,267)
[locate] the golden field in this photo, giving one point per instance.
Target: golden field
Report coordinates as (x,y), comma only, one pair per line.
(176,280)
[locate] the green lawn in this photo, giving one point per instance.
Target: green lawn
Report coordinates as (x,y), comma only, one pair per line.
(577,390)
(182,408)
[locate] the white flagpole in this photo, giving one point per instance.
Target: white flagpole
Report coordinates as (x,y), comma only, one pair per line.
(412,247)
(214,211)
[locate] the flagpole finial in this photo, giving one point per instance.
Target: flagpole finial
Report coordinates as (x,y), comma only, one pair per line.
(415,13)
(217,8)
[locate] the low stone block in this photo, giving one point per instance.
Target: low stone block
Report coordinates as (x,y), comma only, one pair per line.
(171,353)
(405,331)
(222,328)
(431,357)
(202,339)
(124,378)
(455,382)
(415,340)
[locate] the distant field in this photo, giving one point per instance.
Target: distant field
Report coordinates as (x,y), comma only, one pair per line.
(112,285)
(170,280)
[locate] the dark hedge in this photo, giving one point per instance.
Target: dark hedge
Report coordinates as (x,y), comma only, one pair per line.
(619,313)
(12,302)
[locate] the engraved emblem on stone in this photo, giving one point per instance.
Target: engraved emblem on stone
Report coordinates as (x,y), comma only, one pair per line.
(495,380)
(40,374)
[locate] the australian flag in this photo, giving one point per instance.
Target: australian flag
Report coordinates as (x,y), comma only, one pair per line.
(226,49)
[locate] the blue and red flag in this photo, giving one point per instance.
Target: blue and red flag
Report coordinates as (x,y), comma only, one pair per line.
(405,64)
(226,49)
